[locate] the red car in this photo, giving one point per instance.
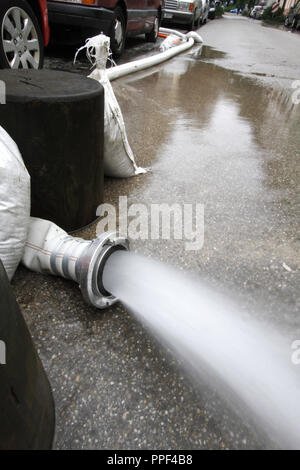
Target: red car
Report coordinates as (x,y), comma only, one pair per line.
(24,32)
(115,18)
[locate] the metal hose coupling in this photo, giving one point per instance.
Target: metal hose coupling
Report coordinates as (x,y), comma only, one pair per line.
(90,265)
(49,249)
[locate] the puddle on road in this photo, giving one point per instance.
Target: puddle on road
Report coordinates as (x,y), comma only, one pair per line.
(215,112)
(210,53)
(217,137)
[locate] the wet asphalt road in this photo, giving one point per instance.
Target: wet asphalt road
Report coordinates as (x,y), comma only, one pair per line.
(217,126)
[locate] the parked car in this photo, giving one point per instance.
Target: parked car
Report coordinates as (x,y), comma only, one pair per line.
(205,10)
(24,32)
(115,18)
(257,11)
(293,17)
(189,12)
(260,12)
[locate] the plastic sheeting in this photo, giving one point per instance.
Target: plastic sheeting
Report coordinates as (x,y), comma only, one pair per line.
(14,203)
(171,41)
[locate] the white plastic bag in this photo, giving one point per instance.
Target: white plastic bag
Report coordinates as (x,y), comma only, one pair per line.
(14,203)
(171,41)
(118,157)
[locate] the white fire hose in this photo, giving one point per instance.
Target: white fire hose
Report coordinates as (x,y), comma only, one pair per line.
(188,39)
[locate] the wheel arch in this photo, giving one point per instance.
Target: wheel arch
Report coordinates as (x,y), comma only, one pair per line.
(35,6)
(123,5)
(40,10)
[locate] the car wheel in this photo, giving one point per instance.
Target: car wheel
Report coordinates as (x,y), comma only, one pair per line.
(294,23)
(286,22)
(21,44)
(152,36)
(117,38)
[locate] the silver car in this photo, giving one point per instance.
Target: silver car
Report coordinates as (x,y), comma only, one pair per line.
(185,12)
(205,10)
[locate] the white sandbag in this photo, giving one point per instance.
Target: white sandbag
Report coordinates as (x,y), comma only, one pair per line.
(14,203)
(118,157)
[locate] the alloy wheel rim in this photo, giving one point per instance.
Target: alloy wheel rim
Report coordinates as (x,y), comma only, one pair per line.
(20,40)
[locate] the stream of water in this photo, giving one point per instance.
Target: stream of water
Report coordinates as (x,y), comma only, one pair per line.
(250,361)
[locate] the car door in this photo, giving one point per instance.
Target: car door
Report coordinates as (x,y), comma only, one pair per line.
(135,14)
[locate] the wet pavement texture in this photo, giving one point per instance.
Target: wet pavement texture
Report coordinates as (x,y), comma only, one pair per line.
(217,126)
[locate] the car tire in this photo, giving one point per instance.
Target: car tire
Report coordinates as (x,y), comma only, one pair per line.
(19,47)
(117,37)
(152,36)
(294,24)
(286,23)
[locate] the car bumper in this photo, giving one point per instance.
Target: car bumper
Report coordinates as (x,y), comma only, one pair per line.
(178,16)
(96,18)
